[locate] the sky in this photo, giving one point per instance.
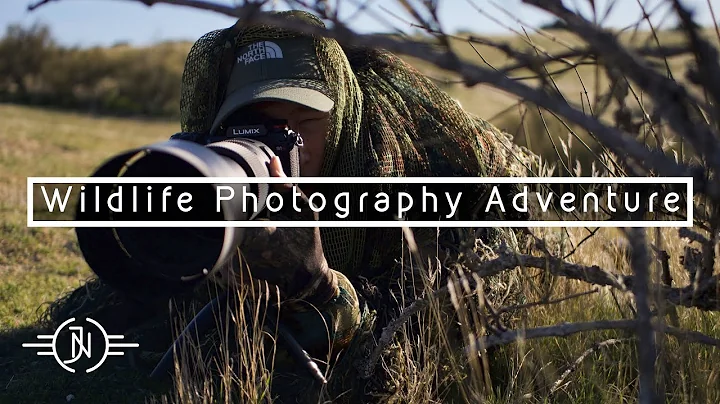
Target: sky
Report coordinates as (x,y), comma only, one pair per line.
(88,23)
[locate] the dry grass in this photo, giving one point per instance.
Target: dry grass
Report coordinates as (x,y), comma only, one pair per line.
(429,369)
(610,375)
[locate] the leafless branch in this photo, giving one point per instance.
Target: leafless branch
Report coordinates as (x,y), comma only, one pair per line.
(567,329)
(692,236)
(705,55)
(597,346)
(545,302)
(589,274)
(620,142)
(640,262)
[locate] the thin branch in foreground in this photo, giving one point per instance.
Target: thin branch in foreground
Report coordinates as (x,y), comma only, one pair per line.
(567,329)
(545,302)
(40,3)
(597,346)
(640,261)
(692,235)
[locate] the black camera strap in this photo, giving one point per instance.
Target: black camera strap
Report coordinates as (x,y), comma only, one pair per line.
(293,160)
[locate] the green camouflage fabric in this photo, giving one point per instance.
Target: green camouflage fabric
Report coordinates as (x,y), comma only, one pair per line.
(389,120)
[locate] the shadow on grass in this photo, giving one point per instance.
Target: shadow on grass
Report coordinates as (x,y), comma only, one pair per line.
(26,377)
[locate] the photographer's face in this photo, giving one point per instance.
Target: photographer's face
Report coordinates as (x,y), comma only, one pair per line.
(312,125)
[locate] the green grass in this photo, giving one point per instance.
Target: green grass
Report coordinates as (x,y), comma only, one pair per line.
(38,265)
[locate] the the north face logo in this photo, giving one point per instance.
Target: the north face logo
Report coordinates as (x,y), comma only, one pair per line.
(259,51)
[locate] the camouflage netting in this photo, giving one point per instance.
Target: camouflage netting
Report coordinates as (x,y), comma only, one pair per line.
(388,120)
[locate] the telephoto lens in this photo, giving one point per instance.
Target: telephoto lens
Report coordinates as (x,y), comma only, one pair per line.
(145,262)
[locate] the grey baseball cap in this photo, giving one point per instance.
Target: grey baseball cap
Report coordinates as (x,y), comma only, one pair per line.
(278,69)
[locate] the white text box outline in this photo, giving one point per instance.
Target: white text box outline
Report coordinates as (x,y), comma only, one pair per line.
(688,181)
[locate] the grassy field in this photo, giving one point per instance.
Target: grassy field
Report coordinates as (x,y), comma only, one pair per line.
(38,265)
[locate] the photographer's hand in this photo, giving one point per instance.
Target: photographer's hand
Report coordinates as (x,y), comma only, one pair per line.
(290,258)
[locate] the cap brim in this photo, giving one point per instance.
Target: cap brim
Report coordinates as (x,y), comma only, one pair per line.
(286,90)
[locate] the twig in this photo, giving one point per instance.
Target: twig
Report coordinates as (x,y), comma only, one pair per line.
(33,6)
(664,258)
(663,52)
(389,331)
(692,235)
(545,302)
(567,329)
(591,234)
(581,358)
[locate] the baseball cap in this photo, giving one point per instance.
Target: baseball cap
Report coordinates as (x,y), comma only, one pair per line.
(285,69)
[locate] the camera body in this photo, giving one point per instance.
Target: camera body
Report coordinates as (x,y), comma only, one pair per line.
(274,135)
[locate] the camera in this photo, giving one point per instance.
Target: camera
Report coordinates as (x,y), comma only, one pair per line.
(152,262)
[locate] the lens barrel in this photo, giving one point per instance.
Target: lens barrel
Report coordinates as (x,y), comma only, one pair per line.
(162,262)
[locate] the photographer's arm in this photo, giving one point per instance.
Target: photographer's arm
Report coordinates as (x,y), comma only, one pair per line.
(316,302)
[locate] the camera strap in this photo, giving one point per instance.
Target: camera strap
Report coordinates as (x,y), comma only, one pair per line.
(293,160)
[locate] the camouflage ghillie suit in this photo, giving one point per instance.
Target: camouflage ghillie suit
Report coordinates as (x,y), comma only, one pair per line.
(388,120)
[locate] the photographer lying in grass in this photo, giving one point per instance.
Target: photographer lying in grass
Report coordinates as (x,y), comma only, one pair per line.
(360,112)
